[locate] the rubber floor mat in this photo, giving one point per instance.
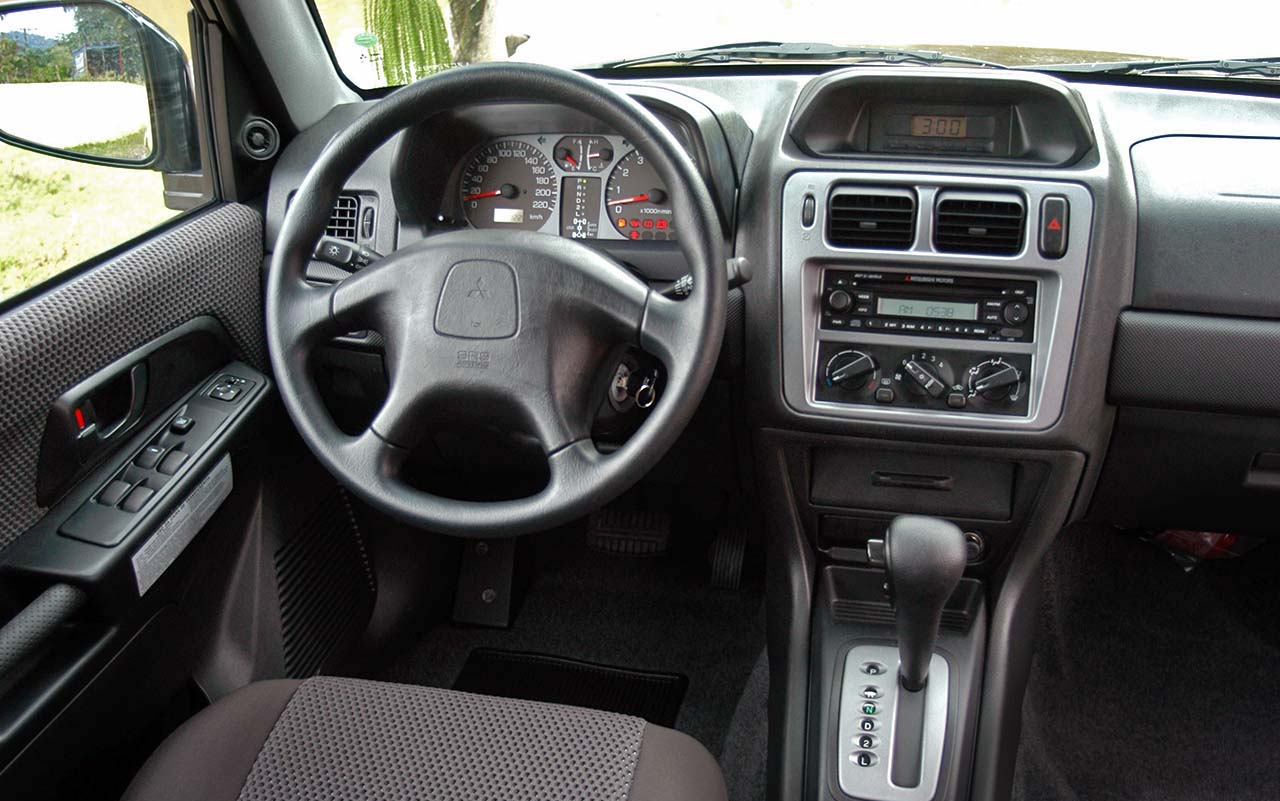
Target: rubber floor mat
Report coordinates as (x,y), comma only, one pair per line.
(656,697)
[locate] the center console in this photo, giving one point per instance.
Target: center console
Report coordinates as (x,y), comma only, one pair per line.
(930,299)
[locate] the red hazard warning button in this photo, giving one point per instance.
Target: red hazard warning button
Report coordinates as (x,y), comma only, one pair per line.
(1053,226)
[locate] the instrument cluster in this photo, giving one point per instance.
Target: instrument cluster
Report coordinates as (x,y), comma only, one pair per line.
(580,186)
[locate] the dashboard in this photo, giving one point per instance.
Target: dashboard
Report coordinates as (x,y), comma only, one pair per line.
(998,297)
(576,185)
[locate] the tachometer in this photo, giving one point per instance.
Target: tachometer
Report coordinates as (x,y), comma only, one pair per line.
(638,202)
(509,184)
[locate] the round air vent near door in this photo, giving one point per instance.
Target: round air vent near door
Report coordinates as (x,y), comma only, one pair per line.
(259,138)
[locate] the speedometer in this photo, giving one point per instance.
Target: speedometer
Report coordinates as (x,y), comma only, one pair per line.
(638,203)
(509,184)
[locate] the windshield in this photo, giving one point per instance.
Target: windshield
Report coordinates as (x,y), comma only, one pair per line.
(390,42)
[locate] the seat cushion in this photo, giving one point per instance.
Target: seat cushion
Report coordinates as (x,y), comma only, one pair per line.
(328,738)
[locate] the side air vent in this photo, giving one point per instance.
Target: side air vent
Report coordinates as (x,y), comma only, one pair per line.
(990,224)
(344,221)
(883,219)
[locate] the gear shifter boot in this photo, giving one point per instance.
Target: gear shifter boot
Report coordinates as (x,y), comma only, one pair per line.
(925,558)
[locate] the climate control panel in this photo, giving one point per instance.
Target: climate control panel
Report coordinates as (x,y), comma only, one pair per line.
(923,379)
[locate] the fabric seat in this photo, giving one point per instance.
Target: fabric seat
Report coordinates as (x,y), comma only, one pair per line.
(348,739)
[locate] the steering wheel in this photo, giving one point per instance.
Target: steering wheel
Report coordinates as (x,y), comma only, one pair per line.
(514,325)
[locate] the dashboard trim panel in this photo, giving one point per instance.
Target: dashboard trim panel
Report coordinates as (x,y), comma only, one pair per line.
(806,254)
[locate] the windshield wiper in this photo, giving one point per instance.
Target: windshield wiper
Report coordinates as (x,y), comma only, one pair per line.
(1268,67)
(759,52)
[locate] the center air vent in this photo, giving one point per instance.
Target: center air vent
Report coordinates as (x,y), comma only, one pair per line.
(986,223)
(343,221)
(884,219)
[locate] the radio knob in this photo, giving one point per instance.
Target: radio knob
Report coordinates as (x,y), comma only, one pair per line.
(839,301)
(1016,313)
(852,371)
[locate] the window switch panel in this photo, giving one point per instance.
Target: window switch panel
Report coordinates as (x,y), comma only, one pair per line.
(138,498)
(114,493)
(173,462)
(149,457)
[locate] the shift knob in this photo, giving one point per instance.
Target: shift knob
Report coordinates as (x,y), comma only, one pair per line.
(925,558)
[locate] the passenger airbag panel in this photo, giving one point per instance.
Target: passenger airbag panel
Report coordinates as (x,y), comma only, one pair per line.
(1207,225)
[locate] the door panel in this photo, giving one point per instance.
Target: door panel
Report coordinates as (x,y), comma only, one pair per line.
(96,371)
(208,265)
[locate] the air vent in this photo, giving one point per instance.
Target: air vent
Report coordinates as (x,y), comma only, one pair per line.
(987,224)
(343,221)
(884,219)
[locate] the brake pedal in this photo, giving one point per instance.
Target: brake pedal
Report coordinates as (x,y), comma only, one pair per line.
(625,532)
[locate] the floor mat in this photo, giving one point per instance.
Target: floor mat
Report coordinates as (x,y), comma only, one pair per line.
(653,696)
(657,614)
(1149,683)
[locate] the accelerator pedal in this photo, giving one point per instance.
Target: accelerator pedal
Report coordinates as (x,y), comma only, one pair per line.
(727,555)
(628,532)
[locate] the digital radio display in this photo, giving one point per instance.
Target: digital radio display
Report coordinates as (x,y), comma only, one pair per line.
(938,125)
(932,309)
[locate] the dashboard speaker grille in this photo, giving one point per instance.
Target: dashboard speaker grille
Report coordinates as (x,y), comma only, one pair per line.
(883,220)
(991,226)
(343,221)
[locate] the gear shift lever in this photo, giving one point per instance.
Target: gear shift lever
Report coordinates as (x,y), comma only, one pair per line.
(925,558)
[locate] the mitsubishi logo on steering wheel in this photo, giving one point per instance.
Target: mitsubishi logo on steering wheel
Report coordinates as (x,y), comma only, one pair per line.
(480,293)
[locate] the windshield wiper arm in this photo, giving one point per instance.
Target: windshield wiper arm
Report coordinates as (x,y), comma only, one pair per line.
(755,52)
(1267,67)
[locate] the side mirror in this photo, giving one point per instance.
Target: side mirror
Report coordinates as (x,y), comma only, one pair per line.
(95,81)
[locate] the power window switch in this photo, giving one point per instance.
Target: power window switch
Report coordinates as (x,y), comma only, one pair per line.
(113,493)
(138,498)
(181,424)
(173,462)
(149,457)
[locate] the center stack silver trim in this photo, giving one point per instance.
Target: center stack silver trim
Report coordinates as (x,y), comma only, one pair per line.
(806,254)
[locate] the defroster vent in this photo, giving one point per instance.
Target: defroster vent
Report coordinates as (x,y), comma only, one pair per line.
(882,219)
(344,220)
(989,224)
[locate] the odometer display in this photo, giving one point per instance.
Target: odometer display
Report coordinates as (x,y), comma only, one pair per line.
(509,184)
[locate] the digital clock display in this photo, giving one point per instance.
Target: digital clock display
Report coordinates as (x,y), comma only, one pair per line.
(948,127)
(932,309)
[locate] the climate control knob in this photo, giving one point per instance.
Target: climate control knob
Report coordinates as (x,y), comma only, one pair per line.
(852,371)
(995,380)
(924,373)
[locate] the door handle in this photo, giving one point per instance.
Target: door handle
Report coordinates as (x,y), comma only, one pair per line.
(97,411)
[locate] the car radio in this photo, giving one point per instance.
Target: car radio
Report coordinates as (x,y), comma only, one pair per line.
(993,309)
